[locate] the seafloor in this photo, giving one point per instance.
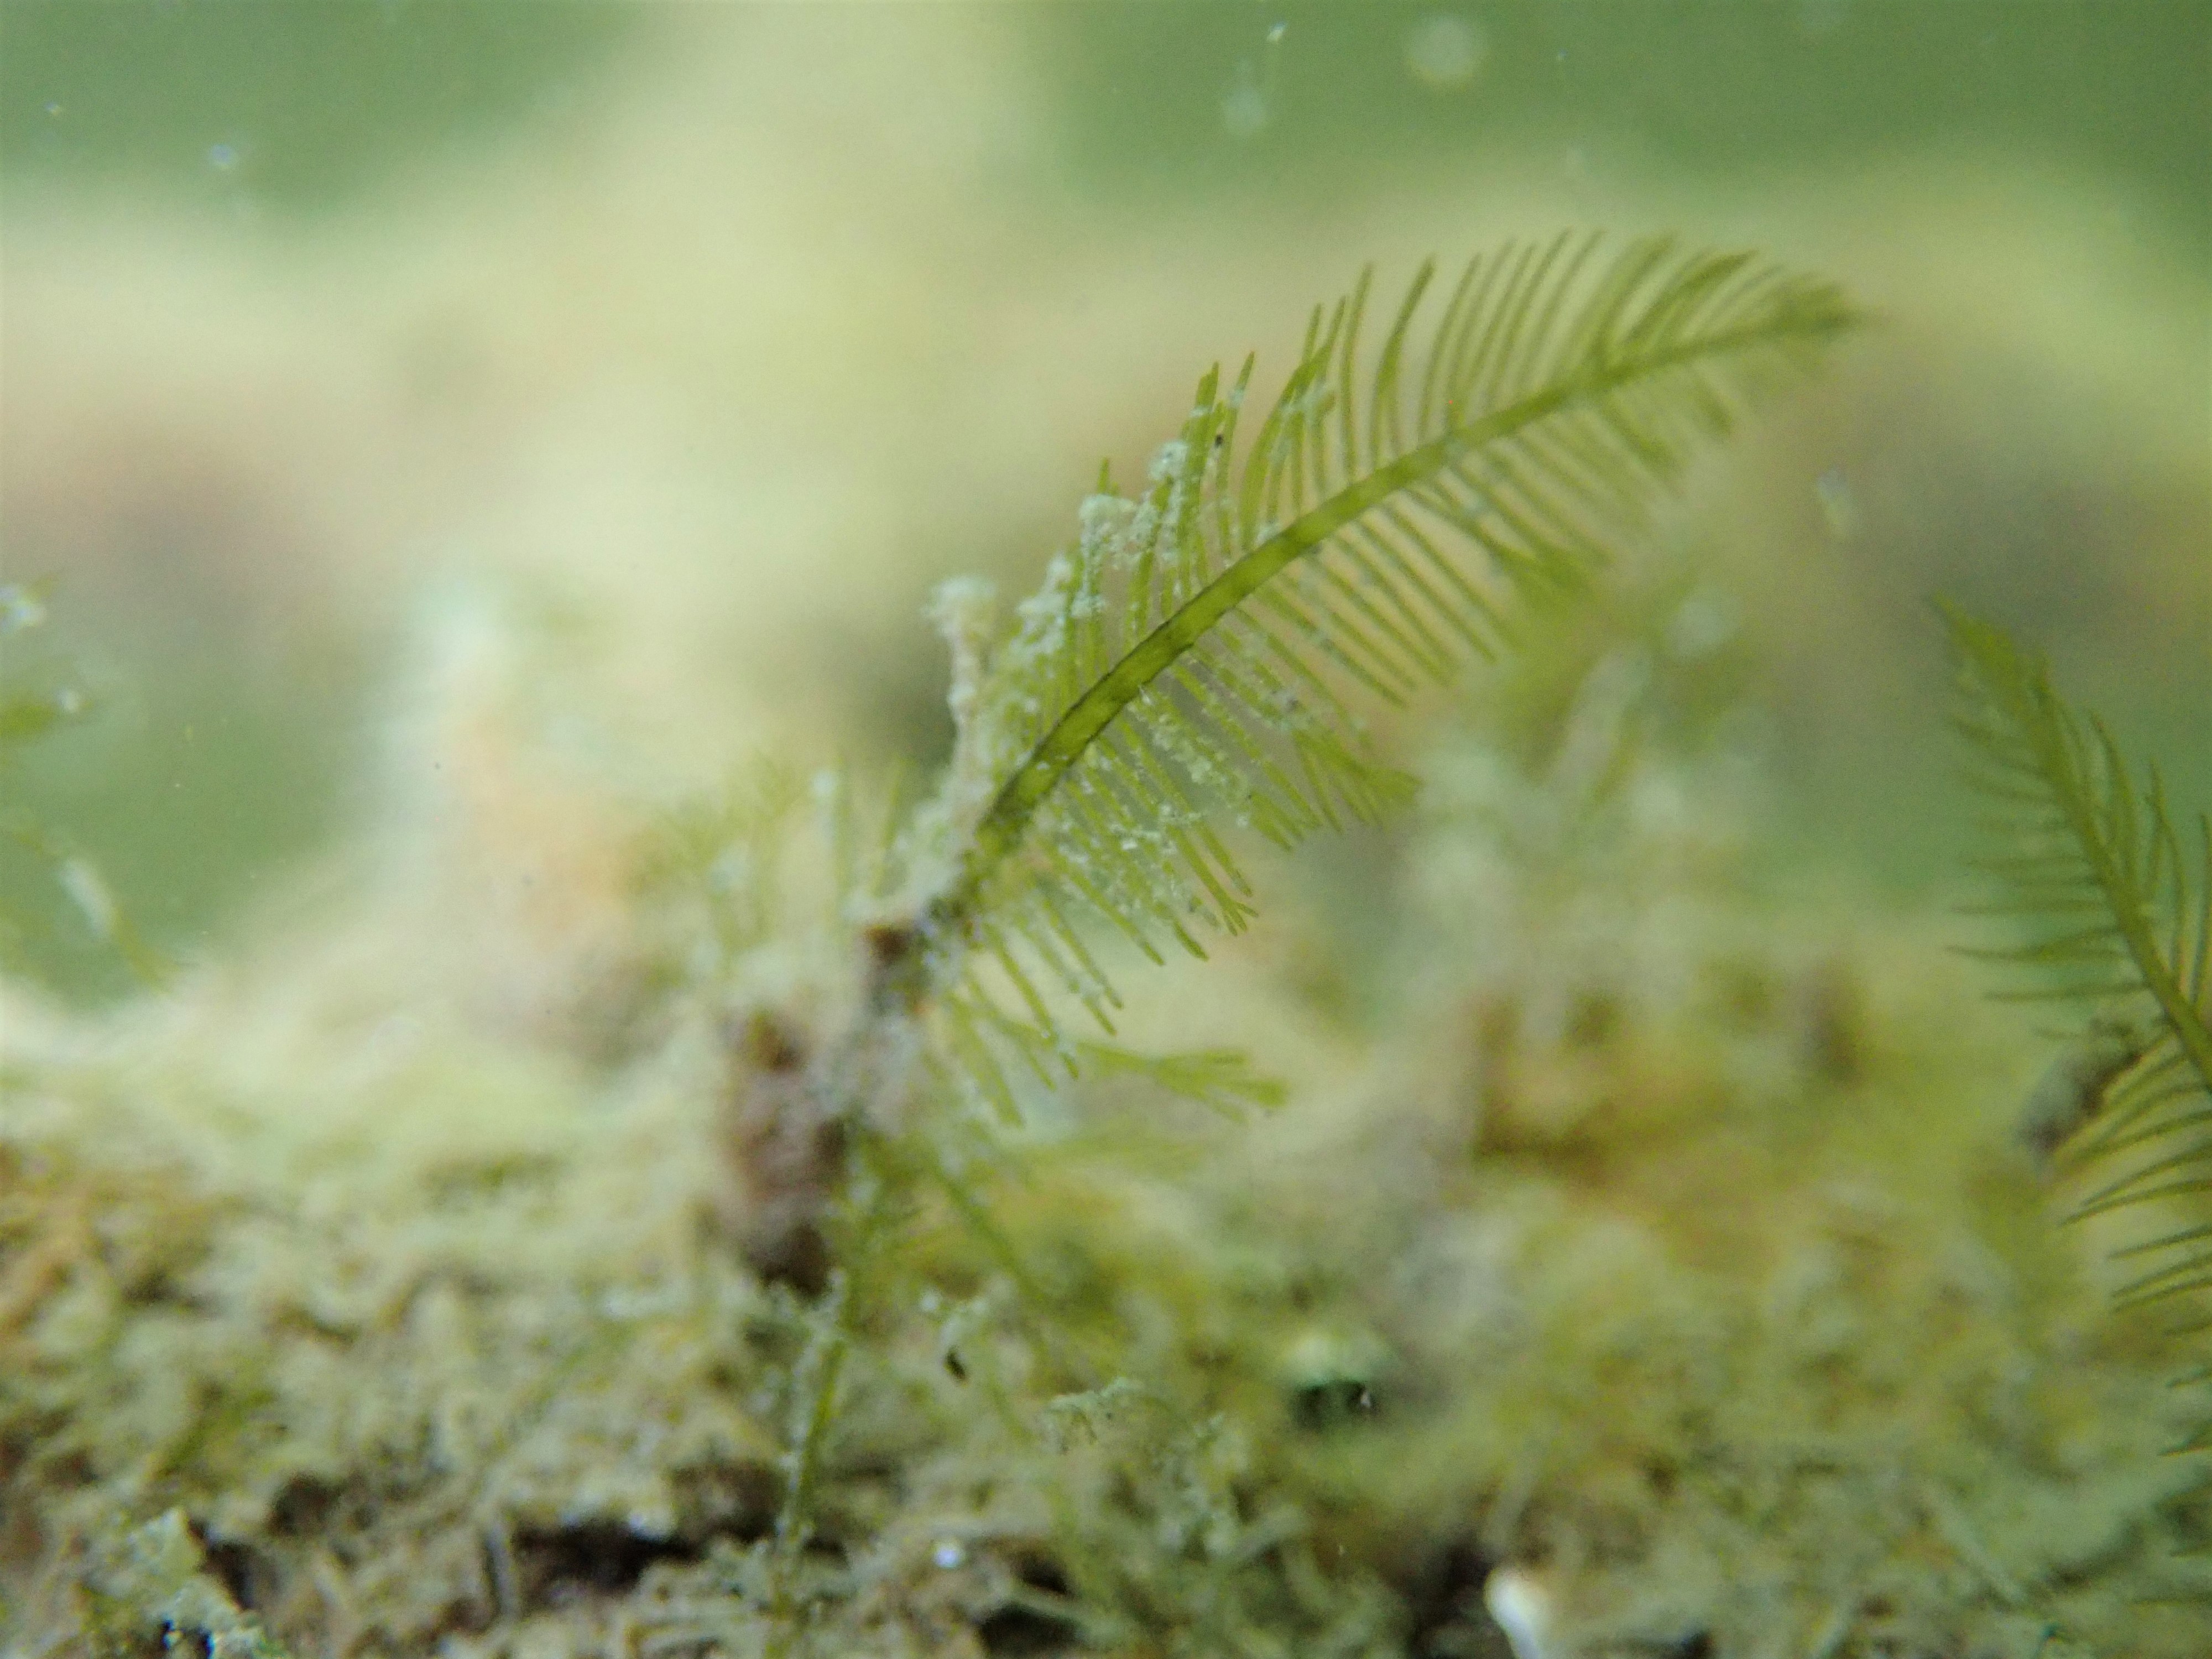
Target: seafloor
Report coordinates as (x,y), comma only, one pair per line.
(1657,1248)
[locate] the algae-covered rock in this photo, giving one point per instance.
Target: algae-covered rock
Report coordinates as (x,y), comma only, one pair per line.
(1665,1260)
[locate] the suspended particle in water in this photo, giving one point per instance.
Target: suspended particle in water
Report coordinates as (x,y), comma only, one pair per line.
(1244,106)
(1820,18)
(1839,508)
(20,607)
(90,895)
(948,1555)
(1248,105)
(1446,51)
(223,158)
(1700,626)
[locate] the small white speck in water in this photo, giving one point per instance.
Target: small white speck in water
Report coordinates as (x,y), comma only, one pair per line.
(1244,107)
(20,607)
(90,895)
(1700,626)
(1445,51)
(1248,104)
(949,1555)
(1839,508)
(1817,19)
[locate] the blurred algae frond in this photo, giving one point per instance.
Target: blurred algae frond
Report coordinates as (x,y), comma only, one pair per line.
(2117,891)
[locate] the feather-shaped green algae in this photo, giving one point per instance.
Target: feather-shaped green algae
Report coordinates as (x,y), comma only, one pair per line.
(1199,658)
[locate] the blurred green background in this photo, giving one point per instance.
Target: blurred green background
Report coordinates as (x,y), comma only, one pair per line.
(329,100)
(271,133)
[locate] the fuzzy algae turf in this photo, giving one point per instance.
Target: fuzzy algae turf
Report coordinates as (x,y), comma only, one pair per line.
(1666,1244)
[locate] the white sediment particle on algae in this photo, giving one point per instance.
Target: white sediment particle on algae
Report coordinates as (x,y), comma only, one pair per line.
(1171,466)
(962,609)
(1041,620)
(1182,743)
(1101,517)
(1111,528)
(1144,525)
